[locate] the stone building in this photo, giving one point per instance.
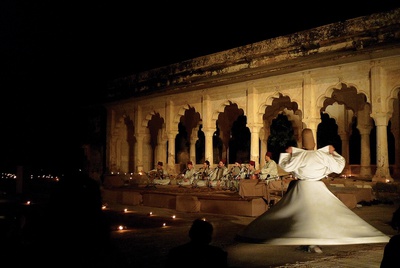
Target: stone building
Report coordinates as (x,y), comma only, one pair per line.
(347,71)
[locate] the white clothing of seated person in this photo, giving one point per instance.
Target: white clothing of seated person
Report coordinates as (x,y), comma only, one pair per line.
(270,170)
(238,172)
(219,175)
(202,176)
(187,176)
(160,175)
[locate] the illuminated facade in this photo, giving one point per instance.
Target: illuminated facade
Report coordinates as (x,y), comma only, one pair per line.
(345,70)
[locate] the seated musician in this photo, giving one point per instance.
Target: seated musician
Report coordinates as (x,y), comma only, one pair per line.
(237,172)
(203,175)
(251,171)
(160,175)
(270,170)
(219,174)
(187,175)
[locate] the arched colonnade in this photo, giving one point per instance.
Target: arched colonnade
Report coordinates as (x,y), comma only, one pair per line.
(142,131)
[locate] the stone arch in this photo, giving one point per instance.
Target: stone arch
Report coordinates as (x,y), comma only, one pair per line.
(343,102)
(342,93)
(393,95)
(328,132)
(347,96)
(297,124)
(147,118)
(190,118)
(266,103)
(155,126)
(232,117)
(274,105)
(221,109)
(187,120)
(181,112)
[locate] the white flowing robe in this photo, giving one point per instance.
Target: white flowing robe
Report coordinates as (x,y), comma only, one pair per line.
(310,214)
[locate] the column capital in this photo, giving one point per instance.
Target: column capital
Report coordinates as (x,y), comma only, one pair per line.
(364,130)
(255,127)
(380,118)
(171,134)
(208,132)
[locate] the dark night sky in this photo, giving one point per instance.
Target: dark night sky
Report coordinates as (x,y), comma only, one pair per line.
(56,55)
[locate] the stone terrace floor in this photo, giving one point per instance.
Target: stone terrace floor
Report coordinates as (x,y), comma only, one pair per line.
(145,238)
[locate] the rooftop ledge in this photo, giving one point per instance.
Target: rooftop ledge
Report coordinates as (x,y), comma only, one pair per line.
(356,39)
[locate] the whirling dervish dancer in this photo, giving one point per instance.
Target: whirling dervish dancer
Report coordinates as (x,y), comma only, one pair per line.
(310,214)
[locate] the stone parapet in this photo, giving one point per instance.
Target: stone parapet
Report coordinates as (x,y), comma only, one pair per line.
(341,41)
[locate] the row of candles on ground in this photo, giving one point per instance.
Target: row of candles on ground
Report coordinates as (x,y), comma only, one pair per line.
(122,227)
(5,175)
(346,176)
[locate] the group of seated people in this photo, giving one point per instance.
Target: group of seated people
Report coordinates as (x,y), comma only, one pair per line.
(218,177)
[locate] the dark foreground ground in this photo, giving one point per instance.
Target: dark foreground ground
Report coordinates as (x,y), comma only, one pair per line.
(145,240)
(147,247)
(70,233)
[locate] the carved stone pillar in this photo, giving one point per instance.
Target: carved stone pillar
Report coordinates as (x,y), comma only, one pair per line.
(171,152)
(192,150)
(208,128)
(365,163)
(380,113)
(209,145)
(254,143)
(264,144)
(395,128)
(161,147)
(139,152)
(364,126)
(382,173)
(157,151)
(222,135)
(345,145)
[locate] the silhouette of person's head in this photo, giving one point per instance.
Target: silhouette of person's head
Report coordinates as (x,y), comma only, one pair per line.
(395,222)
(201,232)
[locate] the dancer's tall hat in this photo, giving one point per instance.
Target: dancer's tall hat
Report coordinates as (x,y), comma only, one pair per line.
(308,139)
